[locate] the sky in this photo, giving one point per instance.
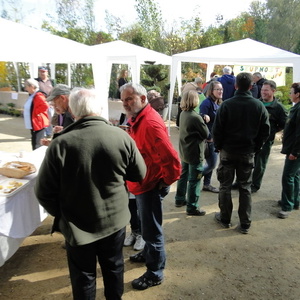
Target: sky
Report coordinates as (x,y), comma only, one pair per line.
(35,10)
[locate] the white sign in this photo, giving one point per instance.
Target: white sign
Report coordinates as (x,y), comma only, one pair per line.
(272,73)
(14,96)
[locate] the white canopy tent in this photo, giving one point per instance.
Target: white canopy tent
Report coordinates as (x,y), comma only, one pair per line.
(247,51)
(119,52)
(21,43)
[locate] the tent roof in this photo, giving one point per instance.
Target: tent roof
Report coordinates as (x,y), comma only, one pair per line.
(21,43)
(123,52)
(246,51)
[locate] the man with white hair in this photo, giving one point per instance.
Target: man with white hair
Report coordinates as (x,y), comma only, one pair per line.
(228,81)
(82,184)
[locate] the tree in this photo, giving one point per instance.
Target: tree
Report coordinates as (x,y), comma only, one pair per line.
(258,11)
(283,27)
(150,20)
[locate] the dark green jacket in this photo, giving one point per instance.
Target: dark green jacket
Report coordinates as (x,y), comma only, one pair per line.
(277,117)
(192,133)
(241,124)
(291,133)
(82,179)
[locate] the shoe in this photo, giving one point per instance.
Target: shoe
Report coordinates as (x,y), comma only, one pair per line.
(279,202)
(235,186)
(218,219)
(254,189)
(283,214)
(139,257)
(210,188)
(243,230)
(130,239)
(196,212)
(142,283)
(180,204)
(139,243)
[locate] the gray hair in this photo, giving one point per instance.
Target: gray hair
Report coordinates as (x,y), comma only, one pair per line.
(84,102)
(257,74)
(227,70)
(32,82)
(137,88)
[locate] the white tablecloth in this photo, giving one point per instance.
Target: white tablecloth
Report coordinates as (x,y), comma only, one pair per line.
(20,214)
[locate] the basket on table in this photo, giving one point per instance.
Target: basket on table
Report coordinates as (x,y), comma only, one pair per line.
(17,169)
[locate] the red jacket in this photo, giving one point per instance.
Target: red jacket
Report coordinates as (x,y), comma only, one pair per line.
(151,137)
(39,112)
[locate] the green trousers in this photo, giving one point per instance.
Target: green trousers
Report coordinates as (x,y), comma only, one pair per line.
(290,184)
(188,186)
(260,162)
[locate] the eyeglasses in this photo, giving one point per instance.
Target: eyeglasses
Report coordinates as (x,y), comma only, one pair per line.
(219,90)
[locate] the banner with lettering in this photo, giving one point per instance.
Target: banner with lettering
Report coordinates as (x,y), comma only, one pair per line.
(269,72)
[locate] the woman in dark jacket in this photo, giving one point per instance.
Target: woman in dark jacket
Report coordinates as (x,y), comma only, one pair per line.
(192,134)
(121,81)
(35,112)
(209,107)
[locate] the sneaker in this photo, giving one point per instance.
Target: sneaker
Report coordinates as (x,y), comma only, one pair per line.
(139,243)
(142,283)
(242,229)
(218,220)
(283,214)
(130,239)
(196,212)
(139,257)
(180,204)
(210,188)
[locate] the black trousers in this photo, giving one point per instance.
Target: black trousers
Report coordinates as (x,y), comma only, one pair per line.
(36,136)
(82,262)
(241,165)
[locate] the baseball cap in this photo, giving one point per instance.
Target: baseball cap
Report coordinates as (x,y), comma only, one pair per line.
(59,89)
(43,68)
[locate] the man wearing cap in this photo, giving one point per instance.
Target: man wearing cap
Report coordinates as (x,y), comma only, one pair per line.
(45,83)
(59,99)
(228,83)
(45,86)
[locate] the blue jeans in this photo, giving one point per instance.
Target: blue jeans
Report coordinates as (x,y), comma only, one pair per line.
(241,165)
(188,185)
(211,162)
(151,215)
(290,184)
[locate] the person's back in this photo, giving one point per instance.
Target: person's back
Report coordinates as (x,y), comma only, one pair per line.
(242,129)
(82,184)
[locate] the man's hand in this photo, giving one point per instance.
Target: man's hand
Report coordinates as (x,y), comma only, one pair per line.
(292,157)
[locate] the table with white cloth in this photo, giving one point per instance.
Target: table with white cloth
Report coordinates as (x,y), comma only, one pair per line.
(20,213)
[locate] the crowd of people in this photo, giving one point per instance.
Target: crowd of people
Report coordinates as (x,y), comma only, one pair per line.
(95,185)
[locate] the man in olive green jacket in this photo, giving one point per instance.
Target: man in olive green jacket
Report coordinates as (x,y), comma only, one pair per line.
(82,184)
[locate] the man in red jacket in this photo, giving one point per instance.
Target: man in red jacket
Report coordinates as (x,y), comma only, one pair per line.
(163,168)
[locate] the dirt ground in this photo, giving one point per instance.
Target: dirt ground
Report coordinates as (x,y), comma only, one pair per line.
(203,260)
